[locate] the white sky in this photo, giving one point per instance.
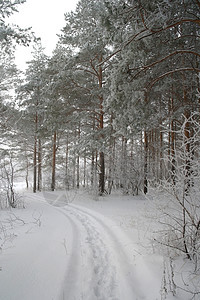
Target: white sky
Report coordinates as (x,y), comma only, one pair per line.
(46,17)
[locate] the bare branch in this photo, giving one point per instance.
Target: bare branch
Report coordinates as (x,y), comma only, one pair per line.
(144,68)
(169,73)
(151,32)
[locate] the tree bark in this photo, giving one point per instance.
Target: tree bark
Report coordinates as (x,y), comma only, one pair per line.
(53,180)
(92,169)
(78,172)
(78,161)
(124,178)
(188,154)
(172,151)
(145,162)
(161,156)
(66,166)
(101,174)
(35,156)
(27,168)
(84,169)
(101,123)
(39,187)
(111,159)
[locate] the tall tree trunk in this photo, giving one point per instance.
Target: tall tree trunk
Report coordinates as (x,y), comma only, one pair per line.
(110,168)
(161,155)
(188,153)
(96,187)
(111,158)
(35,166)
(187,114)
(92,169)
(35,156)
(172,152)
(152,153)
(39,187)
(124,179)
(101,154)
(66,166)
(78,161)
(27,168)
(145,162)
(92,158)
(74,163)
(157,154)
(78,172)
(74,171)
(84,169)
(171,139)
(53,180)
(101,174)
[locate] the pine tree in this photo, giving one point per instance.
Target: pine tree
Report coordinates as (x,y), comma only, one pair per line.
(83,32)
(11,34)
(154,60)
(32,91)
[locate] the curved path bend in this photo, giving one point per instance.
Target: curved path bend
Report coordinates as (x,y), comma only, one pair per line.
(101,258)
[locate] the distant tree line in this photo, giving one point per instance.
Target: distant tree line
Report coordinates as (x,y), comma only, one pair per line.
(105,110)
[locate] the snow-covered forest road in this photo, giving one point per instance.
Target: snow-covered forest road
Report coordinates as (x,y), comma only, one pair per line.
(98,259)
(81,250)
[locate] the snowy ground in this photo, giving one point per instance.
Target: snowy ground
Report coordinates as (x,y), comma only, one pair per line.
(68,246)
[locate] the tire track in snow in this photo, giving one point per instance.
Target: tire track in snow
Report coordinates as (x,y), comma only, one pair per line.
(103,281)
(72,277)
(108,244)
(127,283)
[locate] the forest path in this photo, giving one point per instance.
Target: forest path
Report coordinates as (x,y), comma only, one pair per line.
(66,246)
(101,260)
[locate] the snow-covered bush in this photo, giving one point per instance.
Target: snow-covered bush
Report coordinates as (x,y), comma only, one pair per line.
(179,213)
(8,195)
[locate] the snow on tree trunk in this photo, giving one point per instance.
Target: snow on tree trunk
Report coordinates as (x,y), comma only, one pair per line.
(53,179)
(39,187)
(78,160)
(145,162)
(101,174)
(66,165)
(35,166)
